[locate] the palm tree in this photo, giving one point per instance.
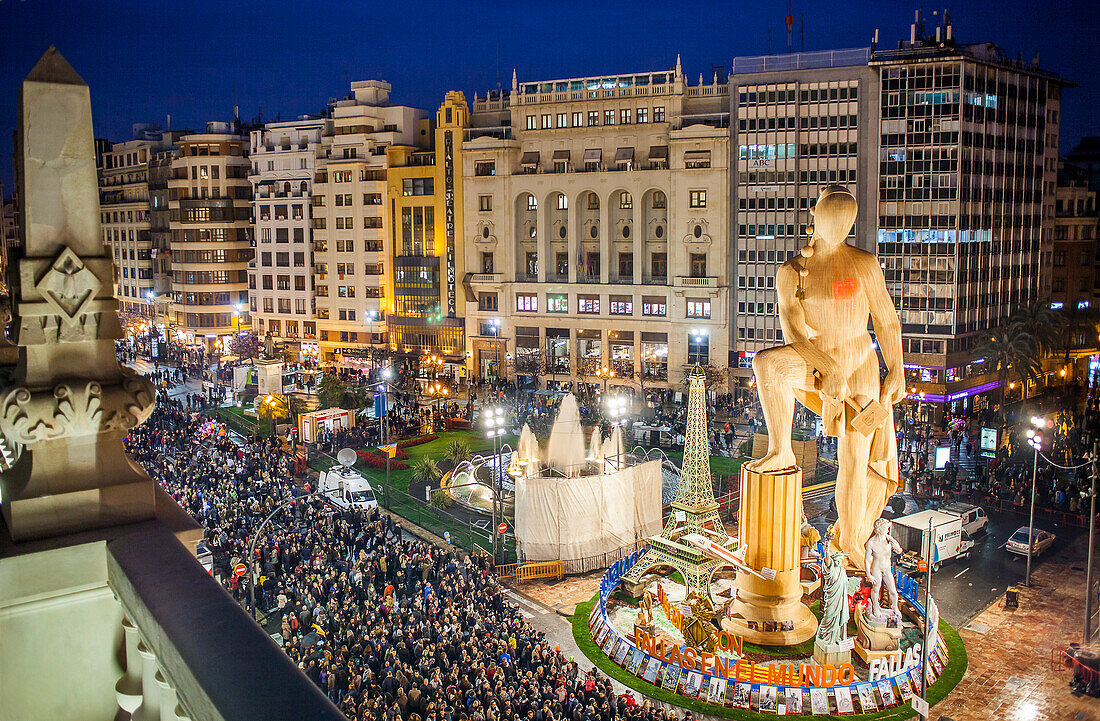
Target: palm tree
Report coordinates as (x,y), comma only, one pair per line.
(1012,348)
(1042,323)
(458,451)
(425,470)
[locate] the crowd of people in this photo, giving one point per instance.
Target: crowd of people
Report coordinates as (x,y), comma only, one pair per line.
(389,626)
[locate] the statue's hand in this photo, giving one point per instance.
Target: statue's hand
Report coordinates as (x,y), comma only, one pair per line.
(834,385)
(893,388)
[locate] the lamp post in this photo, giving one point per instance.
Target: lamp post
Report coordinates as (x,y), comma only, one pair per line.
(1035,440)
(256,537)
(436,391)
(494,429)
(699,335)
(271,401)
(605,373)
(616,409)
(372,315)
(494,326)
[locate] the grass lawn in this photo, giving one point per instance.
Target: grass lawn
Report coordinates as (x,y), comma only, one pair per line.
(416,510)
(237,419)
(956,667)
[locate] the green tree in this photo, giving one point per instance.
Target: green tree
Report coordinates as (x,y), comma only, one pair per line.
(1043,324)
(330,391)
(244,346)
(1011,349)
(458,451)
(425,470)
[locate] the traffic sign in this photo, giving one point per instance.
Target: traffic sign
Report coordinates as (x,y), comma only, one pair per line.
(502,527)
(240,569)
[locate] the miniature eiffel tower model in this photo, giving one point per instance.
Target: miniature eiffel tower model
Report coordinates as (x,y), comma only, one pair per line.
(693,511)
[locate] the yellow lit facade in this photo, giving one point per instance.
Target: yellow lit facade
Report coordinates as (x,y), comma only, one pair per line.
(425,258)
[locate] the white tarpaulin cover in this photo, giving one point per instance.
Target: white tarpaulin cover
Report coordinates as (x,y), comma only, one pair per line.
(570,519)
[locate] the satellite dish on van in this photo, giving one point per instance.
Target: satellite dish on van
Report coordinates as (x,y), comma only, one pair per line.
(346,457)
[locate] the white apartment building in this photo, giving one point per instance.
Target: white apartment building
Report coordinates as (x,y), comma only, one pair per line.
(124,217)
(596,226)
(349,215)
(210,201)
(280,276)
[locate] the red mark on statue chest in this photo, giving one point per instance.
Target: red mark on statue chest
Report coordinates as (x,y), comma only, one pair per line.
(844,289)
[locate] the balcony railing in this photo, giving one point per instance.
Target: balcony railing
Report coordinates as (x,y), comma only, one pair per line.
(683,281)
(485,277)
(179,663)
(654,279)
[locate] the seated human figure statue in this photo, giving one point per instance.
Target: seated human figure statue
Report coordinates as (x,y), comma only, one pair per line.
(826,297)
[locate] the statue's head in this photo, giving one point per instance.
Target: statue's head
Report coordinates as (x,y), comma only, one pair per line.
(834,215)
(882,526)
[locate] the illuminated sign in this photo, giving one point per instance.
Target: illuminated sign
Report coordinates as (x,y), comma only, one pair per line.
(449,204)
(943,455)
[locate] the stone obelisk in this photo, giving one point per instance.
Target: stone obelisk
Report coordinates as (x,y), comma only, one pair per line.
(69,403)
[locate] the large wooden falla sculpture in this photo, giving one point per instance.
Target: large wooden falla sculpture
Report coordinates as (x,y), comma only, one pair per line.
(826,297)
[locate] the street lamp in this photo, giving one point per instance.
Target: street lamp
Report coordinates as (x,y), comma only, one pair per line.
(494,328)
(271,401)
(493,418)
(372,315)
(698,335)
(436,391)
(1035,440)
(616,409)
(604,372)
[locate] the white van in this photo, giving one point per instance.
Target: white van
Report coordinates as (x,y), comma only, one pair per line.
(973,518)
(951,540)
(346,488)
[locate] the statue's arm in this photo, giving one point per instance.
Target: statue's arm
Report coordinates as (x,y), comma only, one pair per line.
(887,330)
(792,320)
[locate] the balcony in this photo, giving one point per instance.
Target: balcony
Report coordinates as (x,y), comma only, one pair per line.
(684,281)
(622,279)
(654,279)
(486,277)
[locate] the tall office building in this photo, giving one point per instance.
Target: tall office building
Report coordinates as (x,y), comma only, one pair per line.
(955,173)
(803,122)
(425,245)
(280,276)
(349,218)
(596,218)
(210,208)
(1073,267)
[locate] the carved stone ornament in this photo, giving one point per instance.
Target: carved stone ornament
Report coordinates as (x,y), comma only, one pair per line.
(68,285)
(74,409)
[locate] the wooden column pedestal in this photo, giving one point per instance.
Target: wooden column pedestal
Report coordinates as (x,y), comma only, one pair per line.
(769,522)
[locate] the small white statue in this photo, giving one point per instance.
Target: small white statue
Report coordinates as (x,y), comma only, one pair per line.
(878,552)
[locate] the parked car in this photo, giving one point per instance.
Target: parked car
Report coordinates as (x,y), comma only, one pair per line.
(1017,542)
(973,518)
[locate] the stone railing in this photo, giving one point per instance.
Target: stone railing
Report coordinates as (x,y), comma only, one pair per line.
(190,651)
(683,281)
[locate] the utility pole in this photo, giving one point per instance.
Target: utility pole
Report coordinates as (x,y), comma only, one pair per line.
(1092,534)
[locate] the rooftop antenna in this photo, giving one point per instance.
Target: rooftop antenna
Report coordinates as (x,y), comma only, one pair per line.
(790,21)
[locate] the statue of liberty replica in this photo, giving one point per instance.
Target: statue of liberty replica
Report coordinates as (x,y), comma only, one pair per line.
(829,647)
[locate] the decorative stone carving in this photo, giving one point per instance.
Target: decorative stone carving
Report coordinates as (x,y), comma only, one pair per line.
(74,409)
(68,285)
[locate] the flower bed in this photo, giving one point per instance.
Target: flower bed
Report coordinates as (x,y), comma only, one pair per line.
(373,460)
(416,441)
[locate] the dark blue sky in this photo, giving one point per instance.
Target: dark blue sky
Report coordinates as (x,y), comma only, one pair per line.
(194,60)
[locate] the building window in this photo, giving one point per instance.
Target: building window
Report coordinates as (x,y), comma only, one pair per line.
(593,117)
(557,303)
(485,203)
(547,121)
(698,308)
(532,122)
(626,265)
(697,199)
(621,305)
(624,116)
(577,120)
(485,167)
(643,115)
(658,114)
(561,264)
(532,264)
(527,302)
(588,304)
(698,348)
(563,120)
(487,263)
(609,117)
(418,186)
(655,307)
(659,200)
(487,301)
(563,202)
(698,265)
(626,200)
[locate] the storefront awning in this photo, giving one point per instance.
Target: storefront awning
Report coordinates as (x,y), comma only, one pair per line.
(529,159)
(658,152)
(697,156)
(593,155)
(624,155)
(561,155)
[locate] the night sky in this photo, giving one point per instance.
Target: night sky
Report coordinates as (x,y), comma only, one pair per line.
(195,60)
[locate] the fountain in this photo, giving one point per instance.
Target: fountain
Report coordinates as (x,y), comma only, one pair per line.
(565,452)
(575,506)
